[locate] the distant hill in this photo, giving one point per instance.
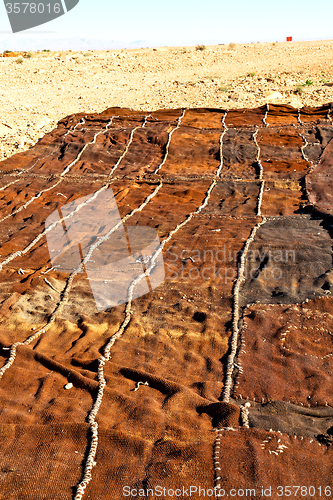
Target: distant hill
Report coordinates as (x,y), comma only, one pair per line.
(79,43)
(75,43)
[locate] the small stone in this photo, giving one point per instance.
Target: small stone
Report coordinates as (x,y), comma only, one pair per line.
(43,122)
(68,386)
(295,103)
(274,95)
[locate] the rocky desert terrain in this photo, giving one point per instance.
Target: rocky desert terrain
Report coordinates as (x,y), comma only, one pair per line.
(38,89)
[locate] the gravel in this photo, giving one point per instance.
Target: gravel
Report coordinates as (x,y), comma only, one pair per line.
(48,86)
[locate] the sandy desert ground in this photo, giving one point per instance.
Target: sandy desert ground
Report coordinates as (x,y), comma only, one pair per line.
(38,89)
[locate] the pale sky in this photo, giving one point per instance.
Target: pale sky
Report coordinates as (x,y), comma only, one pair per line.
(180,22)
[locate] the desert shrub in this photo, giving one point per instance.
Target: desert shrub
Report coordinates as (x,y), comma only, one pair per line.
(250,73)
(200,47)
(19,60)
(231,46)
(300,86)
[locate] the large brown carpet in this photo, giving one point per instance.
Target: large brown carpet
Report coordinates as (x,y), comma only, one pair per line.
(166,317)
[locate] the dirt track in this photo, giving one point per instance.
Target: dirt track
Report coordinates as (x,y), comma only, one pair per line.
(42,89)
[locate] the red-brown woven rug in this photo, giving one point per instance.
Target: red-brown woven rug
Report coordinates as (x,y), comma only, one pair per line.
(166,317)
